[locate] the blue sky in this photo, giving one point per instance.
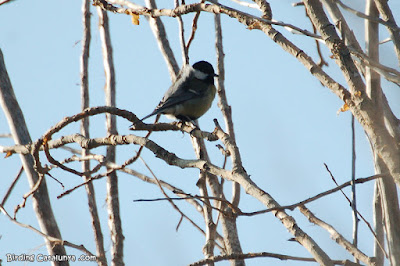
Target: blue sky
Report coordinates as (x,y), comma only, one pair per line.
(286,127)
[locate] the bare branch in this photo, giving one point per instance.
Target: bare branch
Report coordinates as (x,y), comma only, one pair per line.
(362,15)
(388,73)
(335,44)
(160,34)
(9,190)
(5,136)
(239,175)
(228,223)
(361,216)
(142,177)
(51,239)
(254,23)
(322,61)
(211,227)
(353,185)
(394,30)
(194,28)
(158,183)
(353,250)
(225,108)
(184,50)
(318,196)
(391,212)
(185,9)
(115,224)
(378,226)
(84,64)
(260,255)
(372,122)
(18,128)
(204,199)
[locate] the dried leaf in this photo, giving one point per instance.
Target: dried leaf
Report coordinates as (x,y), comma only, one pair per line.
(256,25)
(8,154)
(135,19)
(344,108)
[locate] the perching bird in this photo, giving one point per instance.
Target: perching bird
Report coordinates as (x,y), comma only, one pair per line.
(191,95)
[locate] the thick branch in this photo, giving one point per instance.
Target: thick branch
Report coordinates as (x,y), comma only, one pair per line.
(40,200)
(337,237)
(98,235)
(158,29)
(114,223)
(363,107)
(392,27)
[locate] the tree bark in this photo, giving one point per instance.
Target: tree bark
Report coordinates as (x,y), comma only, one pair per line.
(40,199)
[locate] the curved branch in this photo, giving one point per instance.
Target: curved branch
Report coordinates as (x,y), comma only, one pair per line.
(193,8)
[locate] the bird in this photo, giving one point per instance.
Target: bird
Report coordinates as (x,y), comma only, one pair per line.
(191,95)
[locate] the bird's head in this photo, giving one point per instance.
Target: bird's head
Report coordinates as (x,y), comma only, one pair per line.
(204,70)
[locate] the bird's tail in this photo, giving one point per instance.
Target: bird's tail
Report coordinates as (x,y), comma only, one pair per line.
(149,115)
(155,112)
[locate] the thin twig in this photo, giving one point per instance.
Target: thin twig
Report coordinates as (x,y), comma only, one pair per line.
(169,199)
(5,135)
(183,215)
(55,162)
(365,16)
(25,197)
(173,189)
(194,28)
(9,190)
(53,240)
(353,185)
(388,73)
(184,50)
(258,255)
(200,150)
(201,198)
(211,227)
(322,61)
(361,216)
(318,196)
(378,220)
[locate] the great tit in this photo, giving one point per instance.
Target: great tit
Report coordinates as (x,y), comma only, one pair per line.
(191,95)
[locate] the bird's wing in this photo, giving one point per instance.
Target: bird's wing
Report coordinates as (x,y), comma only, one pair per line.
(185,93)
(182,90)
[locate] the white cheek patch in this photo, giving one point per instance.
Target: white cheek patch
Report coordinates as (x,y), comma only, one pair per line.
(200,75)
